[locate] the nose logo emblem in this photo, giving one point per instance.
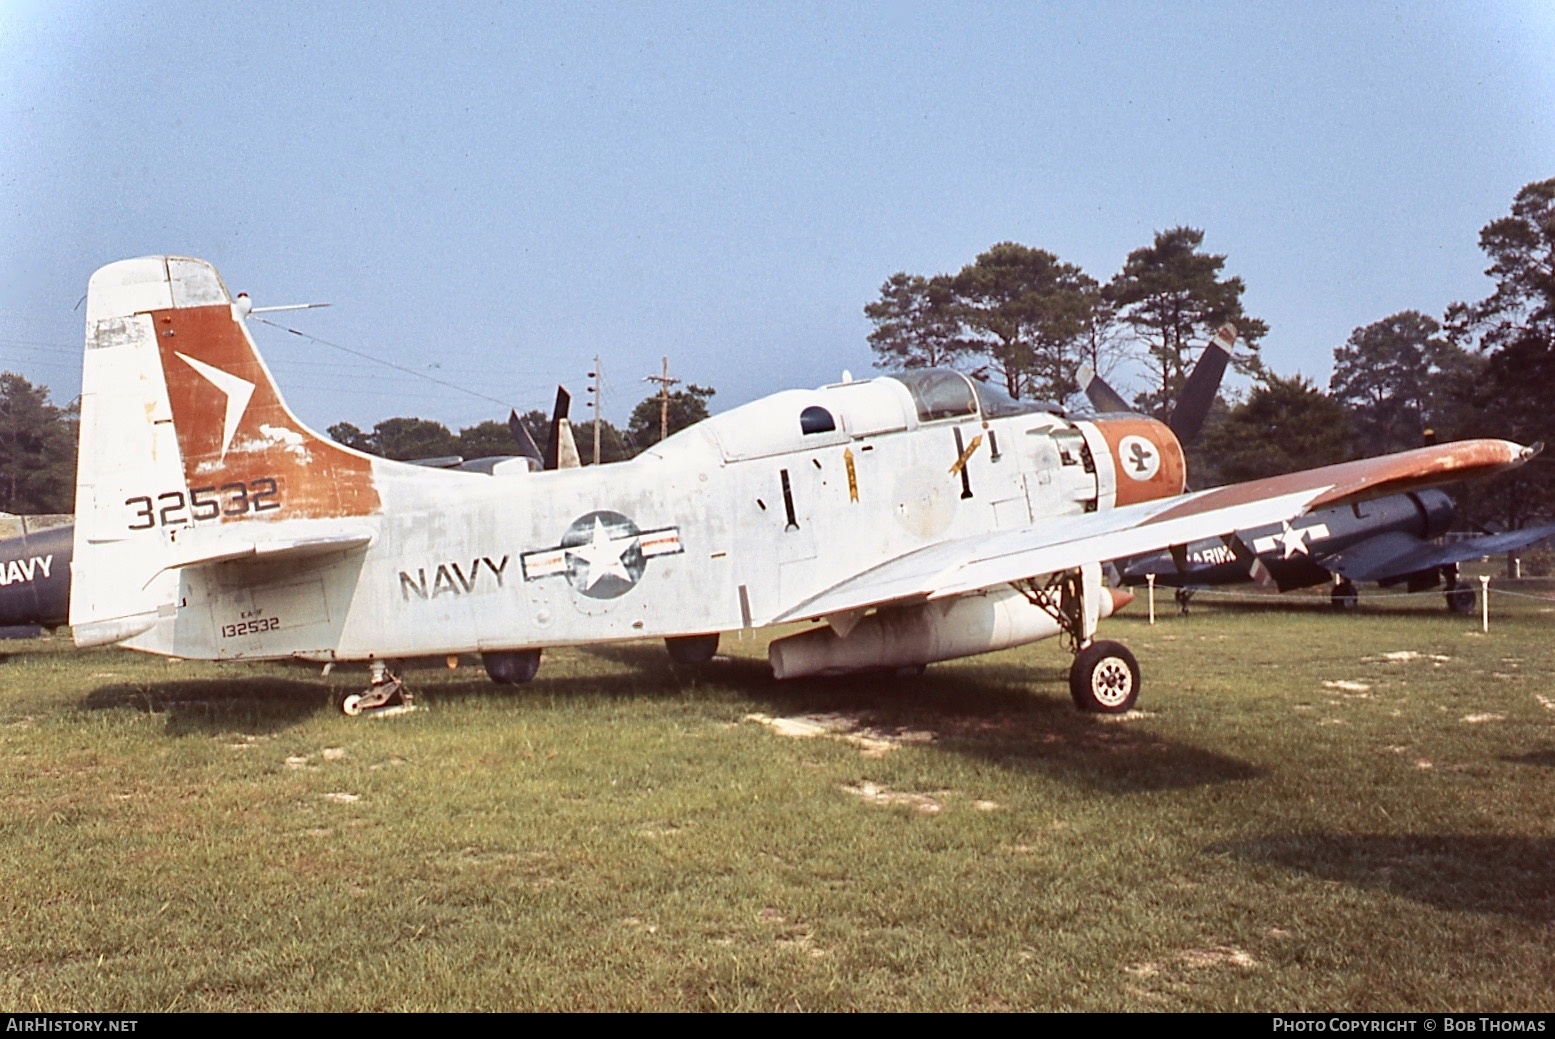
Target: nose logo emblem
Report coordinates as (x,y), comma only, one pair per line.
(1141,460)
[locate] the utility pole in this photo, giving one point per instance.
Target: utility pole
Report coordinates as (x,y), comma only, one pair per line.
(665,382)
(597,389)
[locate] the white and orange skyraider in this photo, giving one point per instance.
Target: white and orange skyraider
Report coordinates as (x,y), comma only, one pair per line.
(920,516)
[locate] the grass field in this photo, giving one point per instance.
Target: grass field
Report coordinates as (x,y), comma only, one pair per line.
(1309,811)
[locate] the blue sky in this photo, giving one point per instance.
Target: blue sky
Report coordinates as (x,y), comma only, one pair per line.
(493,193)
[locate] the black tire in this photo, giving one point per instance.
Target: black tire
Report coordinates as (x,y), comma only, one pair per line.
(512,668)
(692,649)
(1344,596)
(1104,678)
(1461,599)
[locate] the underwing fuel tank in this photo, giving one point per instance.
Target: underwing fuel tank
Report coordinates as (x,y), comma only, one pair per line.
(916,635)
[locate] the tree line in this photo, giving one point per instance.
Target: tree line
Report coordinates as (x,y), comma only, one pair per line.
(1024,318)
(407,439)
(1028,320)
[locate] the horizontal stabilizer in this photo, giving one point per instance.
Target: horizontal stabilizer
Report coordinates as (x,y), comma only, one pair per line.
(272,549)
(440,462)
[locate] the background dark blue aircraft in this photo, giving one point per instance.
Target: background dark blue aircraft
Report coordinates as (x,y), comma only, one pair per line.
(1395,540)
(34,572)
(1390,541)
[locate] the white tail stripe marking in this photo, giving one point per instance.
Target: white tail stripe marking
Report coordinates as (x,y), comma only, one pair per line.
(238,392)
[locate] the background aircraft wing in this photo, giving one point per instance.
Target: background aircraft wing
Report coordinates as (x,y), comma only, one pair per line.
(969,564)
(1388,556)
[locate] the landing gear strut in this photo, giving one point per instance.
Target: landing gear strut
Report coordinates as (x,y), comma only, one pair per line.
(1104,678)
(386,695)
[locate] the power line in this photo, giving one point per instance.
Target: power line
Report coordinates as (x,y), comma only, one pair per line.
(386,364)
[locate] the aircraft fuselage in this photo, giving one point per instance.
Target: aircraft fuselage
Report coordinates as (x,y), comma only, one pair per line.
(719,528)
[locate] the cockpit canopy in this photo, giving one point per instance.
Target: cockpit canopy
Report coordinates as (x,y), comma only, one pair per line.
(798,419)
(940,393)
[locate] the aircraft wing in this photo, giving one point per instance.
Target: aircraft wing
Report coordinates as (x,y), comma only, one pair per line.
(970,564)
(1394,555)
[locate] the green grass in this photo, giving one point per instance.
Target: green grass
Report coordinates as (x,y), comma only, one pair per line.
(618,835)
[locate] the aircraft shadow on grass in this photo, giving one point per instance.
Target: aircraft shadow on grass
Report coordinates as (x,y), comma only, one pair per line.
(1509,876)
(987,712)
(1542,758)
(215,705)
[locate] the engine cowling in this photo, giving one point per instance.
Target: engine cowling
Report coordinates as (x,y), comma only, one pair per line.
(1147,461)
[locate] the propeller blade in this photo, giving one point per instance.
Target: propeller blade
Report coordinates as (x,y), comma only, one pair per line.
(1198,393)
(1103,397)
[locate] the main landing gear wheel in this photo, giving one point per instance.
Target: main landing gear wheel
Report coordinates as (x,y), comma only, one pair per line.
(1344,596)
(513,668)
(386,695)
(1104,678)
(692,649)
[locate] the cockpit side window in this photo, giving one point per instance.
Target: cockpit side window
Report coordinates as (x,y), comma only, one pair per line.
(939,394)
(816,419)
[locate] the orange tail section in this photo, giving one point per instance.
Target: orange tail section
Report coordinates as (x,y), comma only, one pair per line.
(239,443)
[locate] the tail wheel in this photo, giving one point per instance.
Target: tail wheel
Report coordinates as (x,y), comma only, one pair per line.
(1104,678)
(1344,596)
(513,668)
(348,704)
(692,649)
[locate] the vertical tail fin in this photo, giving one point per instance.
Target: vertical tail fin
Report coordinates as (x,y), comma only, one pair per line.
(182,431)
(561,451)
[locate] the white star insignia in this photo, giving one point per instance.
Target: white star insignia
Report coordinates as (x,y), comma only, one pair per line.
(1292,541)
(606,557)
